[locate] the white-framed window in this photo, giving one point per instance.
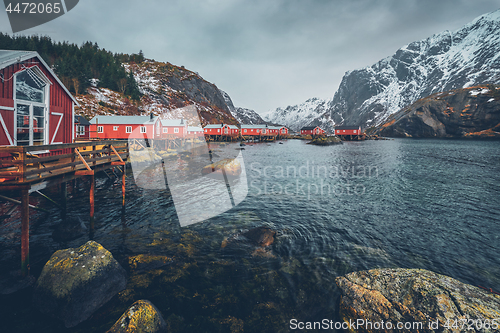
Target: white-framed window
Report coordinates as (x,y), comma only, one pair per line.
(115,128)
(31,99)
(128,129)
(165,129)
(263,131)
(245,130)
(205,130)
(143,129)
(218,130)
(81,130)
(100,129)
(176,130)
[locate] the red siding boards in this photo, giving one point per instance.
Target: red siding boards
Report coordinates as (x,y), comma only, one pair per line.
(109,132)
(312,131)
(60,101)
(348,130)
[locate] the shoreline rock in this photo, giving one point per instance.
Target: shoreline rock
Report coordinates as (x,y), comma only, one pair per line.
(413,295)
(75,282)
(326,141)
(142,316)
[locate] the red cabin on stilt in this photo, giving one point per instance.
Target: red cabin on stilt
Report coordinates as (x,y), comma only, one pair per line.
(122,127)
(35,107)
(312,130)
(349,132)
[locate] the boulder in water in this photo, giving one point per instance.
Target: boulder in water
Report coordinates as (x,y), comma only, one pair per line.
(75,282)
(414,296)
(142,316)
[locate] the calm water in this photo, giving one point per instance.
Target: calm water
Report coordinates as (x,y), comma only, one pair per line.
(432,204)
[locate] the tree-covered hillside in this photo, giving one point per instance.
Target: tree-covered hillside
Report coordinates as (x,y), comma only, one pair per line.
(76,65)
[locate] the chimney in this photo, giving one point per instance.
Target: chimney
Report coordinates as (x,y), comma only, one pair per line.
(151,116)
(182,121)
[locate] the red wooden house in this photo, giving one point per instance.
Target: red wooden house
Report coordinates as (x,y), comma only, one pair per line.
(311,130)
(35,107)
(195,132)
(122,127)
(254,130)
(347,130)
(82,128)
(218,131)
(283,131)
(278,131)
(172,129)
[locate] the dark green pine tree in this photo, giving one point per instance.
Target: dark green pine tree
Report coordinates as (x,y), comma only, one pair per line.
(132,87)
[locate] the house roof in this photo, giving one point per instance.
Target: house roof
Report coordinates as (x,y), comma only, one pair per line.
(234,127)
(253,126)
(308,128)
(10,57)
(81,120)
(347,127)
(173,122)
(195,129)
(123,120)
(214,126)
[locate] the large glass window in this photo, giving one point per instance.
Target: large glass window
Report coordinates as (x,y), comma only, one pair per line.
(31,107)
(30,124)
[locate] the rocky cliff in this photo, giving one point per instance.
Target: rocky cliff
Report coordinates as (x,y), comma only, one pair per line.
(165,87)
(445,61)
(461,113)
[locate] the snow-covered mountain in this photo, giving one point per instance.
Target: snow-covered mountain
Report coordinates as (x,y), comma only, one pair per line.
(243,115)
(445,61)
(297,116)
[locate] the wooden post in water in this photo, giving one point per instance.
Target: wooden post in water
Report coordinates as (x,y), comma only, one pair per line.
(25,233)
(92,189)
(123,186)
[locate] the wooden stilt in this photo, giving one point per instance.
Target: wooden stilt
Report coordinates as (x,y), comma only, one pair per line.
(25,233)
(123,187)
(92,189)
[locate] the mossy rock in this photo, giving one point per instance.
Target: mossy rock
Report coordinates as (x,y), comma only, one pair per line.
(414,295)
(140,317)
(75,282)
(144,262)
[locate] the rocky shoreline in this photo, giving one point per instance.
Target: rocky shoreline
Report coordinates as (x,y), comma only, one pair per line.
(78,285)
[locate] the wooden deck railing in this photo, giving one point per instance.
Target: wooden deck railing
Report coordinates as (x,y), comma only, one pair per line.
(25,164)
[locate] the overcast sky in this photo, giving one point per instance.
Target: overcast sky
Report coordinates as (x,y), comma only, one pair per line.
(264,53)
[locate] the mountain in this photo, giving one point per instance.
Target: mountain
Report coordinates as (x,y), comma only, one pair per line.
(297,116)
(243,115)
(445,61)
(460,113)
(166,90)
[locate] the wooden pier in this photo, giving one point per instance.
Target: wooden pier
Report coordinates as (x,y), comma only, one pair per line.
(27,169)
